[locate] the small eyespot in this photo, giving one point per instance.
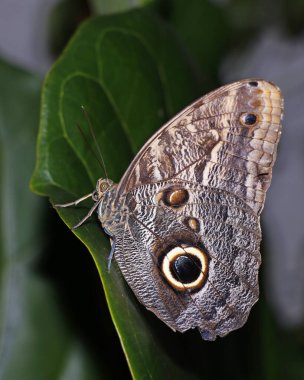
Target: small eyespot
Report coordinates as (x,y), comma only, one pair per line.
(253,83)
(248,119)
(192,223)
(185,268)
(175,197)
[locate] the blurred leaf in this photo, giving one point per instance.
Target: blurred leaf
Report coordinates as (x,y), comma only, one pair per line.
(104,7)
(205,29)
(64,19)
(247,18)
(247,14)
(35,343)
(281,351)
(131,75)
(293,15)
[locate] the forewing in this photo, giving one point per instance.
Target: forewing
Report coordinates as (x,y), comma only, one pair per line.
(211,143)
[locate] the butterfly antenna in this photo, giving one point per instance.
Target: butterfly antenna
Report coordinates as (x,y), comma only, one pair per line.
(86,140)
(100,158)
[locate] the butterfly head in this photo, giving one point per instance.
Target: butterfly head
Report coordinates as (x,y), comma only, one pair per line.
(102,186)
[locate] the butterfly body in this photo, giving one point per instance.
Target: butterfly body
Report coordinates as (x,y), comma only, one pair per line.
(185,217)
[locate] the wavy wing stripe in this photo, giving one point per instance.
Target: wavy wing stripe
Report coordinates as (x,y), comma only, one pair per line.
(207,140)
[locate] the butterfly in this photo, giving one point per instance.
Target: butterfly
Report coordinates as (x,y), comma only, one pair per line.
(184,220)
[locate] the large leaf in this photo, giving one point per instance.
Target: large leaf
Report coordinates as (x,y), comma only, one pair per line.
(35,341)
(130,74)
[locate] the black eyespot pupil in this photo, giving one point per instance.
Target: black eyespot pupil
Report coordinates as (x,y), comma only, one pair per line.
(186,268)
(253,84)
(250,119)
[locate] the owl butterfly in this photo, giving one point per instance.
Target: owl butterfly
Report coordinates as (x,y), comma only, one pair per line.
(184,220)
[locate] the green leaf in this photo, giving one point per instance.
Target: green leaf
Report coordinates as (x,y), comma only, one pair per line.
(103,7)
(204,27)
(65,16)
(34,340)
(130,74)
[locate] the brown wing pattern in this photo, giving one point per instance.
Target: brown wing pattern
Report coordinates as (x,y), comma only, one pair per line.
(225,140)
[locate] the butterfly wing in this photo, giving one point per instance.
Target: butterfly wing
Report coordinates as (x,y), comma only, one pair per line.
(186,228)
(227,140)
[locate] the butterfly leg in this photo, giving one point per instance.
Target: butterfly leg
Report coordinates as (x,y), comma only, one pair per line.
(111,254)
(89,214)
(75,203)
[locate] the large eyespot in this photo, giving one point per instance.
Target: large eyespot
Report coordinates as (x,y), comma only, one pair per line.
(175,197)
(248,119)
(185,268)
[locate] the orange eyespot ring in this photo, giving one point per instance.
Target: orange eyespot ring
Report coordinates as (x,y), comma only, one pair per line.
(248,119)
(175,197)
